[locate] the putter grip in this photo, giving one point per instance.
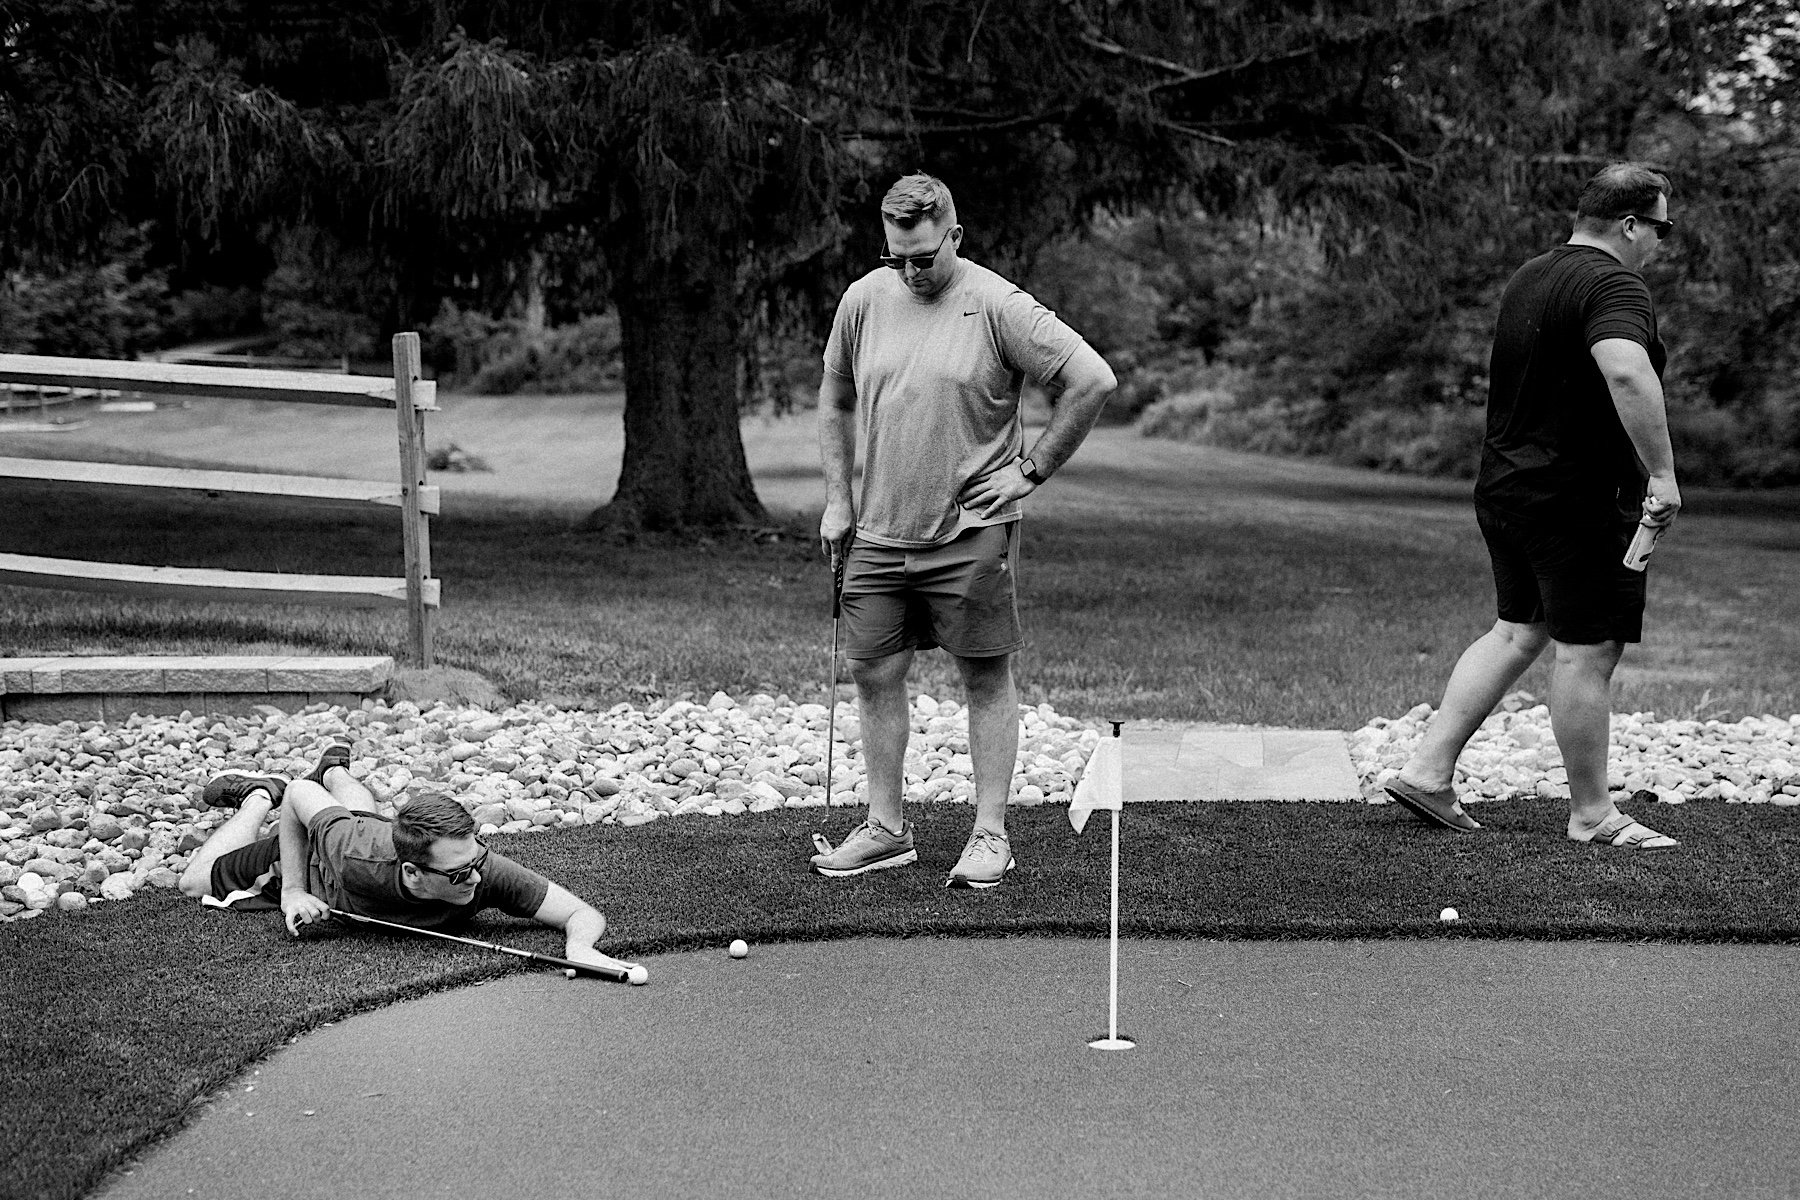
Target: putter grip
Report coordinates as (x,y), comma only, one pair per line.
(837,589)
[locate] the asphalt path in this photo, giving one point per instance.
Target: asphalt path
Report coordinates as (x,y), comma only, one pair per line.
(936,1067)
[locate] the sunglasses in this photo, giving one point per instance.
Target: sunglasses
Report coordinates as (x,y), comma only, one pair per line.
(921,261)
(462,874)
(1663,228)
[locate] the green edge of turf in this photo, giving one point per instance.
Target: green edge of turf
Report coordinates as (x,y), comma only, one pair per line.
(121,1021)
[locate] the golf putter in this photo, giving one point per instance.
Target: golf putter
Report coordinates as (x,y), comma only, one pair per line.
(820,842)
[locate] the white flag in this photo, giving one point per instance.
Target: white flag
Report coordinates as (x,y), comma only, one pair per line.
(1102,782)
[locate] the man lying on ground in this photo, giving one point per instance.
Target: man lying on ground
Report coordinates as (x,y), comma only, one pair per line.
(424,867)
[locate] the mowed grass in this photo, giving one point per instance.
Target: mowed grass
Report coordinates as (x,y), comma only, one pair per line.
(1159,580)
(148,1007)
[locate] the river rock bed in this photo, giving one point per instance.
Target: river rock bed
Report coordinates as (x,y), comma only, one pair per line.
(91,813)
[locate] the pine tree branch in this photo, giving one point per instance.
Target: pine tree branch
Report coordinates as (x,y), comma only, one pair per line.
(1186,76)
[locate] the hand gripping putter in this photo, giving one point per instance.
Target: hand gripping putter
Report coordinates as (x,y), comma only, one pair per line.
(820,842)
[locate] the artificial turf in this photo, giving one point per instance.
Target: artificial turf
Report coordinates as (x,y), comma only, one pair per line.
(123,1018)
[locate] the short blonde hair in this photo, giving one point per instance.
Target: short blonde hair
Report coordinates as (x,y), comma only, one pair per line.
(918,198)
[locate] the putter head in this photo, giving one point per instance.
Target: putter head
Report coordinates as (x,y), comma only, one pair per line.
(821,844)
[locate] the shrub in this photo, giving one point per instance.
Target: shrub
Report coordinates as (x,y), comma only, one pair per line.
(503,356)
(107,309)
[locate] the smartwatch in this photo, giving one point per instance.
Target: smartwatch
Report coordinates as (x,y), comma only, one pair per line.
(1029,470)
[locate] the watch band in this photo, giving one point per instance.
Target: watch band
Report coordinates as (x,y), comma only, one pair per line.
(1028,469)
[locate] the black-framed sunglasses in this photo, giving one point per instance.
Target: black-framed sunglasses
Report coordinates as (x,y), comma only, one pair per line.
(1663,228)
(921,261)
(461,874)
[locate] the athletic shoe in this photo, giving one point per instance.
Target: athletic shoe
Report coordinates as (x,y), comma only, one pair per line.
(231,789)
(984,862)
(871,846)
(335,754)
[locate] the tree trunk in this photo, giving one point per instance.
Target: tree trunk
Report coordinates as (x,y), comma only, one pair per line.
(684,456)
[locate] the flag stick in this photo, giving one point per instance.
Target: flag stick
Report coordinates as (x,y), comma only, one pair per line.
(1112,1040)
(1112,1019)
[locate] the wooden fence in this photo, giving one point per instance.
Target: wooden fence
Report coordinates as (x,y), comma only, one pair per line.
(409,395)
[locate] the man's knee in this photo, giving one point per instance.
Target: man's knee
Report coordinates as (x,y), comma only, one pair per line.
(880,674)
(1599,657)
(196,880)
(986,678)
(1525,637)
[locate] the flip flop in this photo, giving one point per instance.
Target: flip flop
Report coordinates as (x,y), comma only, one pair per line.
(1627,834)
(1437,808)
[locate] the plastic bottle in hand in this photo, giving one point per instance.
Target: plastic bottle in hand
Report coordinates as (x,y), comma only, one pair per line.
(1649,532)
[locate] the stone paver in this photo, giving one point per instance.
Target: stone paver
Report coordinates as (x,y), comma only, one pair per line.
(1199,763)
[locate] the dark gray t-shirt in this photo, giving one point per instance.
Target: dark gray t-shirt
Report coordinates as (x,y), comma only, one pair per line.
(353,867)
(937,391)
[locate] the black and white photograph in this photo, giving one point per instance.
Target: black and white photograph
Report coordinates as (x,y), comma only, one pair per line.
(937,599)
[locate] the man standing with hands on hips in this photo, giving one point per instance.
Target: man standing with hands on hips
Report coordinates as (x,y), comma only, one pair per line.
(928,354)
(1576,453)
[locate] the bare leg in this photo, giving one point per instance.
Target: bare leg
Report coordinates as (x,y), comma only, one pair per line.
(1491,665)
(349,791)
(237,832)
(1581,716)
(993,735)
(886,725)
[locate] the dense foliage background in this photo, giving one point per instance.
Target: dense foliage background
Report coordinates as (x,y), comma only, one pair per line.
(1286,222)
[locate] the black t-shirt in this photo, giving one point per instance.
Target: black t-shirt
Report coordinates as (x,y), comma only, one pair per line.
(1555,448)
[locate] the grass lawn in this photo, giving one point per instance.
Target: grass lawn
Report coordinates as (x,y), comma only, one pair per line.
(134,1012)
(1159,580)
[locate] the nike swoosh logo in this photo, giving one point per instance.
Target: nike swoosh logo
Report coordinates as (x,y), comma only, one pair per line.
(976,313)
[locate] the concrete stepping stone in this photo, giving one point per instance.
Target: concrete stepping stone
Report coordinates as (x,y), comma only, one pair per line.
(1198,762)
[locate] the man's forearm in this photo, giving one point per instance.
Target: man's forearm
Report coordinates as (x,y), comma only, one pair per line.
(1638,398)
(837,450)
(1076,411)
(294,847)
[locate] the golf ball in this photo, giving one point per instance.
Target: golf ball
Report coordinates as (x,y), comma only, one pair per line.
(568,972)
(1449,914)
(739,948)
(638,976)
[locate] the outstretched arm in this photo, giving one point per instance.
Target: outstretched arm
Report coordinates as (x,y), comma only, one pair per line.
(304,801)
(1084,383)
(581,924)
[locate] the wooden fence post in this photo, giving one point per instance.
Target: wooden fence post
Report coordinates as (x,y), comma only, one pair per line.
(415,531)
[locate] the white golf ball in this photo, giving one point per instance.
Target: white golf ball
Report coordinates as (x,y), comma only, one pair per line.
(638,976)
(568,972)
(1449,914)
(740,949)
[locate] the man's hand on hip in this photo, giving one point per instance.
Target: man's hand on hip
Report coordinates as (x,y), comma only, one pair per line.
(995,490)
(835,528)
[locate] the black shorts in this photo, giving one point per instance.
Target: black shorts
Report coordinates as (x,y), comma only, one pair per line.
(249,877)
(1570,578)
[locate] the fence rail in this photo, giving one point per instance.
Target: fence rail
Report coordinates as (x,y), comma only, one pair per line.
(405,392)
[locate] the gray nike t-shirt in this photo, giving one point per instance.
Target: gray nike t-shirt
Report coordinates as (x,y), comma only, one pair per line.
(937,392)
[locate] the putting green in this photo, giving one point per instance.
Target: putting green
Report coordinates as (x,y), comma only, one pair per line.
(931,1067)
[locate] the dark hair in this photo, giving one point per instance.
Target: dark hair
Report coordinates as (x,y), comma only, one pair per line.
(1620,190)
(918,198)
(423,822)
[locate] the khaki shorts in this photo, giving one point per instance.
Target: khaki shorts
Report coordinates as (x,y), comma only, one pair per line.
(958,596)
